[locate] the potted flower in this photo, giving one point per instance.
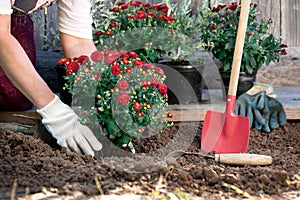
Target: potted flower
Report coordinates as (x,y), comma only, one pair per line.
(154,32)
(219,31)
(119,91)
(134,26)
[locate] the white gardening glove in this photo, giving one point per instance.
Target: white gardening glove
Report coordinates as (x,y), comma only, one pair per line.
(62,122)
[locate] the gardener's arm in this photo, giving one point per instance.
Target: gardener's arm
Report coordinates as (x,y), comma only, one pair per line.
(75,26)
(17,66)
(74,46)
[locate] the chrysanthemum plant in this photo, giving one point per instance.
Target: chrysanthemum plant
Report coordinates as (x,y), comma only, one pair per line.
(219,31)
(149,30)
(119,91)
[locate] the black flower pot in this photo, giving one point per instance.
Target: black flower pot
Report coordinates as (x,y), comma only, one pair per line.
(65,96)
(245,82)
(184,83)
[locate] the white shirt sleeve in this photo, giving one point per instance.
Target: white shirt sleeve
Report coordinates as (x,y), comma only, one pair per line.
(5,7)
(74,18)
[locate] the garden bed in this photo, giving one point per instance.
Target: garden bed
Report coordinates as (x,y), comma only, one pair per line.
(30,167)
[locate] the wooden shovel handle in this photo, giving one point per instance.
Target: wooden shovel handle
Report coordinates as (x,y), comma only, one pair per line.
(243,159)
(239,45)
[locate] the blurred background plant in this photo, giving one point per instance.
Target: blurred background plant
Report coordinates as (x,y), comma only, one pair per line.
(219,29)
(48,33)
(152,31)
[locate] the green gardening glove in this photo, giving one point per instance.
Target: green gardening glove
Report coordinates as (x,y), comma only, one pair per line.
(264,112)
(253,107)
(275,116)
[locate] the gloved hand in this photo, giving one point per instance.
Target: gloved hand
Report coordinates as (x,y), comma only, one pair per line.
(264,112)
(253,107)
(275,116)
(62,122)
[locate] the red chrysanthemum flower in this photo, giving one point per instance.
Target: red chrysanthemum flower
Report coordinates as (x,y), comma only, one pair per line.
(151,14)
(163,8)
(129,70)
(283,46)
(63,61)
(153,81)
(97,56)
(73,66)
(283,52)
(69,72)
(123,53)
(114,10)
(116,69)
(145,84)
(137,62)
(106,52)
(113,25)
(109,59)
(169,20)
(108,33)
(137,106)
(147,5)
(124,7)
(99,33)
(141,14)
(159,16)
(233,6)
(253,5)
(140,114)
(136,3)
(83,60)
(216,9)
(121,3)
(162,88)
(115,53)
(132,54)
(125,61)
(122,85)
(131,16)
(123,98)
(160,71)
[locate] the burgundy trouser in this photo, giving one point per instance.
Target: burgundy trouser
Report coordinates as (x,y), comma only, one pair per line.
(11,99)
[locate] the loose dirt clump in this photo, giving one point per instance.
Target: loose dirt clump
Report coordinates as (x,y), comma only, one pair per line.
(27,165)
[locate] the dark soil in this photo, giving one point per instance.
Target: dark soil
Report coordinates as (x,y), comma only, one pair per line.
(33,165)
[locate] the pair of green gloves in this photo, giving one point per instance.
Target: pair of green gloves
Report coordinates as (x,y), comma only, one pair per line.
(264,112)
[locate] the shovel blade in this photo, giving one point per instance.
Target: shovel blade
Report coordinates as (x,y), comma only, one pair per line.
(225,133)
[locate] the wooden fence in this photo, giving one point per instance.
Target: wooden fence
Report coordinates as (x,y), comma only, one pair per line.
(284,13)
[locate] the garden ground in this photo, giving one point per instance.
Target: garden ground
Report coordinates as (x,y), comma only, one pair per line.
(32,169)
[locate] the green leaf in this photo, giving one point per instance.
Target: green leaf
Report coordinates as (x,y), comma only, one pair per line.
(125,139)
(113,128)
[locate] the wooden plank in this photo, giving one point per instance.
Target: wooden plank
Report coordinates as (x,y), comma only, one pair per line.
(193,112)
(290,25)
(288,96)
(197,112)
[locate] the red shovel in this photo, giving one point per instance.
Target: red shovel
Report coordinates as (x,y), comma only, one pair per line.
(227,132)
